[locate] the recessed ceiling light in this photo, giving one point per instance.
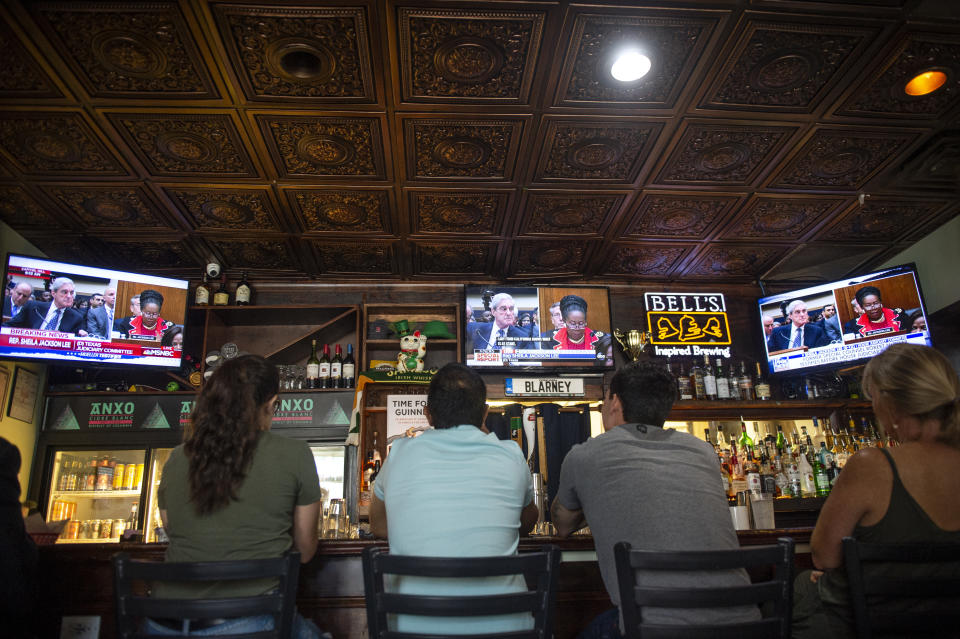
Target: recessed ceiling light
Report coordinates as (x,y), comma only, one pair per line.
(629,66)
(926,82)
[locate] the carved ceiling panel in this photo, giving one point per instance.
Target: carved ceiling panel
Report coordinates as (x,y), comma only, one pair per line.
(343,211)
(786,66)
(461,149)
(127,49)
(112,208)
(674,42)
(451,141)
(686,216)
(568,214)
(771,217)
(355,258)
(56,144)
(644,260)
(453,258)
(460,212)
(299,53)
(883,93)
(842,158)
(234,209)
(325,147)
(481,56)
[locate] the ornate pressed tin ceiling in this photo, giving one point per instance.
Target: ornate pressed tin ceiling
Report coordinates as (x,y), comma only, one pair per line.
(478,140)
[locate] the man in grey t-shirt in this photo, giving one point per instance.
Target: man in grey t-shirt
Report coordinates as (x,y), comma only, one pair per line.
(655,488)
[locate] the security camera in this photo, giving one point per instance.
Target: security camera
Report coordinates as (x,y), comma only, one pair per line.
(213,269)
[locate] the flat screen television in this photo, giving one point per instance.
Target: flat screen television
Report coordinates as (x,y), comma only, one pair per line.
(522,327)
(848,321)
(47,314)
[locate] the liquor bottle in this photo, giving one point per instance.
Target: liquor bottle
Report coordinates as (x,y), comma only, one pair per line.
(222,296)
(201,295)
(783,482)
(349,370)
(132,519)
(313,366)
(793,474)
(699,387)
(828,462)
(368,466)
(244,292)
(376,449)
(721,438)
(336,369)
(807,442)
(709,379)
(376,471)
(722,381)
(746,384)
(781,440)
(516,430)
(733,383)
(684,387)
(90,481)
(745,441)
(323,372)
(808,487)
(821,481)
(751,470)
(762,387)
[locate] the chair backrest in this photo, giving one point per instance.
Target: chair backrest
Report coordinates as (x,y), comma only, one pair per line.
(538,568)
(778,591)
(906,590)
(134,604)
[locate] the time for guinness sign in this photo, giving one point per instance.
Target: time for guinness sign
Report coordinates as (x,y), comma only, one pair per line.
(687,319)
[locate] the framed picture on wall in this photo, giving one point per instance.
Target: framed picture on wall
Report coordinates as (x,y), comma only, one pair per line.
(4,384)
(23,398)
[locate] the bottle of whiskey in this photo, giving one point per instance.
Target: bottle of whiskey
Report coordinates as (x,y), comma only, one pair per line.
(762,386)
(349,369)
(722,381)
(696,379)
(222,296)
(313,366)
(323,376)
(746,384)
(336,369)
(684,388)
(201,296)
(709,379)
(244,291)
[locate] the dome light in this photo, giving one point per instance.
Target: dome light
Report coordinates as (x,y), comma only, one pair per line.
(926,82)
(629,66)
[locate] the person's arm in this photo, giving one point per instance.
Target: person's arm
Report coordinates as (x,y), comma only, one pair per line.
(378,517)
(566,521)
(857,493)
(305,530)
(163,518)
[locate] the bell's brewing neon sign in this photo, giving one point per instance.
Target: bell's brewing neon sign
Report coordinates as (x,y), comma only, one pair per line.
(679,319)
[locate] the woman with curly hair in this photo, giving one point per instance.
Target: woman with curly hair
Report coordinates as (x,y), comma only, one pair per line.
(234,490)
(575,334)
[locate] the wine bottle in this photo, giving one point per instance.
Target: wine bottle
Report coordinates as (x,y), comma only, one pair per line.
(201,296)
(761,386)
(349,369)
(722,381)
(244,292)
(222,296)
(313,366)
(336,369)
(709,379)
(323,376)
(746,384)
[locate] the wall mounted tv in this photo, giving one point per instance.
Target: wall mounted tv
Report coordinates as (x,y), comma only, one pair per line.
(522,327)
(55,312)
(847,321)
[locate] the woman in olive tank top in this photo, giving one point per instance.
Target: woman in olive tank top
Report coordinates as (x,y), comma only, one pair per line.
(900,494)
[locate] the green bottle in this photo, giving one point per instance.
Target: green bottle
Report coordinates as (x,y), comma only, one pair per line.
(821,480)
(746,442)
(781,440)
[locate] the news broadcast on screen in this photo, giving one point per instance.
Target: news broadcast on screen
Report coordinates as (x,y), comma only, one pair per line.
(843,322)
(68,312)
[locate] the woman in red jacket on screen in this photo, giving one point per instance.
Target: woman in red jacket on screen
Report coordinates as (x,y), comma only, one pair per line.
(575,334)
(149,323)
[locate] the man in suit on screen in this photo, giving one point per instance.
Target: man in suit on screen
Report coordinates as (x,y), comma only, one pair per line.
(502,331)
(56,315)
(18,298)
(100,319)
(799,332)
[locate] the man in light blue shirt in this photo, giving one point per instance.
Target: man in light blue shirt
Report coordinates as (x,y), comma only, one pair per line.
(455,491)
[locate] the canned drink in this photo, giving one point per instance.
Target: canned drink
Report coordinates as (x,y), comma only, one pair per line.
(119,525)
(56,511)
(71,510)
(93,532)
(139,476)
(106,527)
(84,532)
(129,477)
(118,476)
(72,530)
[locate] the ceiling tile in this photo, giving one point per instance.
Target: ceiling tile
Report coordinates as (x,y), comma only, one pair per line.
(343,211)
(679,216)
(22,77)
(726,261)
(460,212)
(453,258)
(563,213)
(478,149)
(56,144)
(650,260)
(775,217)
(356,258)
(111,208)
(219,209)
(597,151)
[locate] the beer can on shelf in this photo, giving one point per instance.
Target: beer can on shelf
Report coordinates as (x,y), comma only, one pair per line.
(106,527)
(56,512)
(71,510)
(72,531)
(118,476)
(119,525)
(94,529)
(139,477)
(130,477)
(84,531)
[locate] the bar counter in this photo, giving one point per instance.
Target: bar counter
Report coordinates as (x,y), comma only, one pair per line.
(76,579)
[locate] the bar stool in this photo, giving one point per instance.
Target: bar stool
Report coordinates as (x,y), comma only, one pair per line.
(538,567)
(778,590)
(904,590)
(132,607)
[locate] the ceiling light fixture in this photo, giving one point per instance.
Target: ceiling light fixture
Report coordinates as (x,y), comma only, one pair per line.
(630,65)
(926,82)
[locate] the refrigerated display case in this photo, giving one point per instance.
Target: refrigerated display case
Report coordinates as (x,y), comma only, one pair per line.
(153,526)
(330,460)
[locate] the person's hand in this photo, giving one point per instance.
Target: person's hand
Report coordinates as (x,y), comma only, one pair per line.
(815,576)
